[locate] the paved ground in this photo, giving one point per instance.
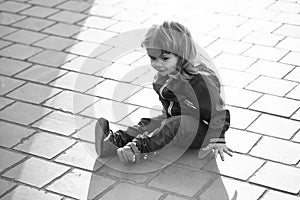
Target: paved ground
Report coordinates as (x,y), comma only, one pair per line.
(57,59)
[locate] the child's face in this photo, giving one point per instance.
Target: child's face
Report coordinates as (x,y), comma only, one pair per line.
(164,63)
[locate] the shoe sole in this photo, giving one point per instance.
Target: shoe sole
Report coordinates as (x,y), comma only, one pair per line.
(99,137)
(121,156)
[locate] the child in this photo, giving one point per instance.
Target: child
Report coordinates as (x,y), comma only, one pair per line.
(194,112)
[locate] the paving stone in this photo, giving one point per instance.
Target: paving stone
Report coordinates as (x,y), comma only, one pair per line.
(61,29)
(132,192)
(11,134)
(130,57)
(55,43)
(104,10)
(22,192)
(138,98)
(11,66)
(229,46)
(274,195)
(25,37)
(289,44)
(277,150)
(67,17)
(111,110)
(33,23)
(241,141)
(44,144)
(95,35)
(182,181)
(129,15)
(230,61)
(8,158)
(61,123)
(5,30)
(266,39)
(238,166)
(8,84)
(269,68)
(4,44)
(235,78)
(36,172)
(39,11)
(267,53)
(81,155)
(291,7)
(287,18)
(276,105)
(288,30)
(171,197)
(41,74)
(271,86)
(5,102)
(110,89)
(76,81)
(113,53)
(291,58)
(274,126)
(259,13)
(46,3)
(5,186)
(52,58)
(122,26)
(229,32)
(70,101)
(9,18)
(236,114)
(88,49)
(261,25)
(23,113)
(225,188)
(33,93)
(81,184)
(296,115)
(19,51)
(75,6)
(97,22)
(294,75)
(295,93)
(278,176)
(11,6)
(240,97)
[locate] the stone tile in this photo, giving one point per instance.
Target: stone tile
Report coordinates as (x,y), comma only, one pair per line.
(39,11)
(46,3)
(129,15)
(229,46)
(260,38)
(271,86)
(110,89)
(11,6)
(294,75)
(295,93)
(11,66)
(8,158)
(235,78)
(33,93)
(274,195)
(11,134)
(132,192)
(51,58)
(9,18)
(241,141)
(292,58)
(261,25)
(182,181)
(61,123)
(33,23)
(97,22)
(238,166)
(287,18)
(67,17)
(41,74)
(88,49)
(36,172)
(19,51)
(75,6)
(104,10)
(288,30)
(25,37)
(8,84)
(274,126)
(5,30)
(225,188)
(289,44)
(267,53)
(86,65)
(76,81)
(22,192)
(236,62)
(229,32)
(55,43)
(23,113)
(259,13)
(5,186)
(236,114)
(70,101)
(64,30)
(269,68)
(171,197)
(291,7)
(296,115)
(111,110)
(278,176)
(296,138)
(113,53)
(4,44)
(267,148)
(276,105)
(95,35)
(151,102)
(240,97)
(81,184)
(5,102)
(123,26)
(81,155)
(45,145)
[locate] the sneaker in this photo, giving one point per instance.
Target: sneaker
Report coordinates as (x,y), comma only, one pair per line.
(129,154)
(103,145)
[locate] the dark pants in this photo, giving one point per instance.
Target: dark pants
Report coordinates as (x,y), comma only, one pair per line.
(152,134)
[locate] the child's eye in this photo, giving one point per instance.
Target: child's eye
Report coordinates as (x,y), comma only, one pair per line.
(165,58)
(152,58)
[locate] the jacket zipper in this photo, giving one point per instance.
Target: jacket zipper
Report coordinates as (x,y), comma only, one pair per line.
(170,107)
(164,86)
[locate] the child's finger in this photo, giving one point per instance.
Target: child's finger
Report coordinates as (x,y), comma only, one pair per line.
(228,152)
(222,155)
(216,151)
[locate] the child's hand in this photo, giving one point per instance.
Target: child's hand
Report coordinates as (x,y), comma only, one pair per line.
(218,148)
